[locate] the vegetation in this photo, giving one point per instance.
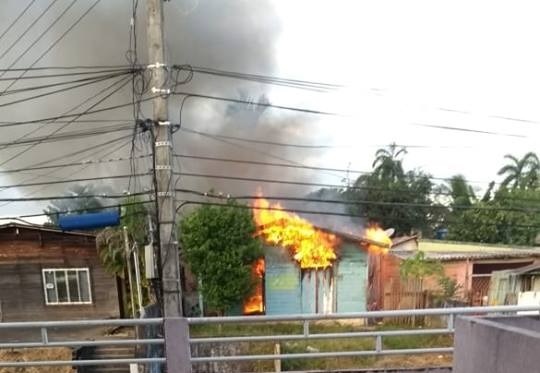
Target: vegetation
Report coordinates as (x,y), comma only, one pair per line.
(410,202)
(335,344)
(219,245)
(111,246)
(395,188)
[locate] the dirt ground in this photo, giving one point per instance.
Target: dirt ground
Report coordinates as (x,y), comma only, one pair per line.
(24,354)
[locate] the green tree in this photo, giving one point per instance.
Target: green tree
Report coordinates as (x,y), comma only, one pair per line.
(521,173)
(219,245)
(111,246)
(461,192)
(414,187)
(388,164)
(508,218)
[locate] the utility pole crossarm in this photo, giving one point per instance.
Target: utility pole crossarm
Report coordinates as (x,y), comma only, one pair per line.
(170,266)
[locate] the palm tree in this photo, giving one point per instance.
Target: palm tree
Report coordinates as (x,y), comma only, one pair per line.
(521,173)
(461,192)
(387,163)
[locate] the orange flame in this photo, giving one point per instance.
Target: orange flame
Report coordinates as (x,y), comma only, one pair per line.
(255,303)
(309,246)
(376,234)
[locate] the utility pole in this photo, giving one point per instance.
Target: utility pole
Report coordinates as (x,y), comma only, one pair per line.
(168,245)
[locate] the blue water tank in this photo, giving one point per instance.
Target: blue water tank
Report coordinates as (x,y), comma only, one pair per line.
(94,220)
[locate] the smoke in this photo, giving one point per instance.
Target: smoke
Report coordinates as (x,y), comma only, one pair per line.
(236,35)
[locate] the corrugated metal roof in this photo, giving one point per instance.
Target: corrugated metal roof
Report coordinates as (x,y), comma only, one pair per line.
(448,251)
(44,229)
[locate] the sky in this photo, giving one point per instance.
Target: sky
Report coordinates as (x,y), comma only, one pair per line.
(403,67)
(405,63)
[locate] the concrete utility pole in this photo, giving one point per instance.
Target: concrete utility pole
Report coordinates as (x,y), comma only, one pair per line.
(170,268)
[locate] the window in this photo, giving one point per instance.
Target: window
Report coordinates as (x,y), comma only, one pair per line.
(67,286)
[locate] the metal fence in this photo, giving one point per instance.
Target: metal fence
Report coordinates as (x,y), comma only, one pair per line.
(177,341)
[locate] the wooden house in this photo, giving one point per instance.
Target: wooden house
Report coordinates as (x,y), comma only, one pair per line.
(47,274)
(342,287)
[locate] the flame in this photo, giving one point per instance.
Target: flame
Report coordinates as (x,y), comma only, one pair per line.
(255,303)
(375,233)
(309,246)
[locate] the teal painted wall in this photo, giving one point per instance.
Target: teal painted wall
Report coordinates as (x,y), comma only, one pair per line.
(282,283)
(288,292)
(351,278)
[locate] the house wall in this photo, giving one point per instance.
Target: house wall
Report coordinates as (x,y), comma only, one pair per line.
(22,258)
(351,276)
(342,288)
(282,283)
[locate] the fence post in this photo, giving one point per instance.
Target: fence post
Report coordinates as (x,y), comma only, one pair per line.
(177,350)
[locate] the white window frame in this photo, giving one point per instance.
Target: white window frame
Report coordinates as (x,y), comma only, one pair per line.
(66,270)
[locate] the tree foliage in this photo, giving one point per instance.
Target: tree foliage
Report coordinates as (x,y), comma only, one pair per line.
(418,267)
(521,173)
(390,184)
(503,219)
(110,241)
(219,245)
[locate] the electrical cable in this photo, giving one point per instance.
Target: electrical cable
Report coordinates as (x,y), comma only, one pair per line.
(72,164)
(67,124)
(112,177)
(21,14)
(92,6)
(31,25)
(104,207)
(62,90)
(41,36)
(312,212)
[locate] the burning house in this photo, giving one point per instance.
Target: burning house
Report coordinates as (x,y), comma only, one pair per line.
(307,269)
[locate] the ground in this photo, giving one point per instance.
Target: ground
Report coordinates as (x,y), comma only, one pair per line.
(36,354)
(344,344)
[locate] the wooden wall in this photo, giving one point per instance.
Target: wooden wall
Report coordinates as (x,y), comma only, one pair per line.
(22,258)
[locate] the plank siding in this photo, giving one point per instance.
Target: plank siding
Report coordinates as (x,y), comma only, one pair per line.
(23,255)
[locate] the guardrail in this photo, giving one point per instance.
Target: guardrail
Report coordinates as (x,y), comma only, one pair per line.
(177,340)
(378,335)
(46,327)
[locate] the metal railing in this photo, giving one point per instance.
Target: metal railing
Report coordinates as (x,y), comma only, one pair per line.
(378,335)
(45,328)
(177,339)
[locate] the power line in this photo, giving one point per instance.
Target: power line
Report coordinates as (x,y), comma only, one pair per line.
(31,25)
(461,129)
(64,165)
(104,207)
(305,146)
(54,198)
(55,118)
(293,83)
(85,82)
(263,104)
(69,123)
(41,35)
(310,212)
(50,76)
(67,82)
(57,40)
(112,177)
(21,14)
(83,168)
(66,136)
(78,67)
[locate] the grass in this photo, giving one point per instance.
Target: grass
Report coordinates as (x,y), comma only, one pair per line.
(33,354)
(329,345)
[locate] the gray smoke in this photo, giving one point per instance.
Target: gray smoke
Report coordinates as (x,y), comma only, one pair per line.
(236,35)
